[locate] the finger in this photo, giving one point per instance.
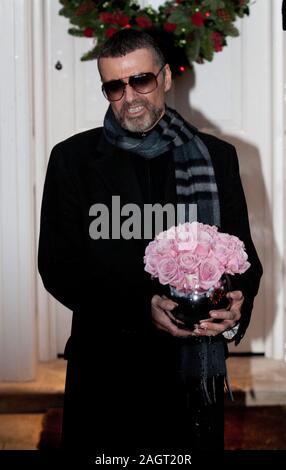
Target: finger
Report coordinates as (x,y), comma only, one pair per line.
(163,322)
(184,333)
(213,329)
(236,295)
(163,303)
(214,317)
(179,329)
(206,320)
(205,329)
(176,330)
(173,318)
(233,315)
(209,328)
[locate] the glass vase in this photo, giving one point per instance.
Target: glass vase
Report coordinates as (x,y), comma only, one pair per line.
(196,305)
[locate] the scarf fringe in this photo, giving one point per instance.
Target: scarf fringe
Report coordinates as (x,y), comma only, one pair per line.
(209,397)
(206,396)
(227,388)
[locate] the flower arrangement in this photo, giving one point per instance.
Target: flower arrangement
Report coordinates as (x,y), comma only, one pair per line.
(187,30)
(194,257)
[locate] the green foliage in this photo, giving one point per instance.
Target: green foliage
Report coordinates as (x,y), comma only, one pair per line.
(207,46)
(187,30)
(214,4)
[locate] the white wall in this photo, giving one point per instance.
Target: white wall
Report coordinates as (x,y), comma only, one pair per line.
(17,247)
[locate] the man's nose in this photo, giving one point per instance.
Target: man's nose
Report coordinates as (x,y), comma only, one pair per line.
(130,93)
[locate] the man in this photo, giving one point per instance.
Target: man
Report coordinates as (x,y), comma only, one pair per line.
(137,380)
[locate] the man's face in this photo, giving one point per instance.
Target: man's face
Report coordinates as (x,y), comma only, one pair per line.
(137,112)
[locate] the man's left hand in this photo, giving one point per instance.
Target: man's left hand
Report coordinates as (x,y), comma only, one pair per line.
(229,318)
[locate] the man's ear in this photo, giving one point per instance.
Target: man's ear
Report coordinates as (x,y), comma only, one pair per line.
(168,78)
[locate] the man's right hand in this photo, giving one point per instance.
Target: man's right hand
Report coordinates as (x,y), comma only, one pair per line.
(163,319)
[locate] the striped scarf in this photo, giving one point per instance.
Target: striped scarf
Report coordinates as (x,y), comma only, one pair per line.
(195,178)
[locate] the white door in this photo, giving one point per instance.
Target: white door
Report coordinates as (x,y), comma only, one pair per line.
(229,97)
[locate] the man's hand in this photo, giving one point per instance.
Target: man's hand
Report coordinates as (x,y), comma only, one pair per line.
(228,318)
(164,320)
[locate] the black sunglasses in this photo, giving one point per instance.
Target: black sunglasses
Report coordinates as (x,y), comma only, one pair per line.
(142,83)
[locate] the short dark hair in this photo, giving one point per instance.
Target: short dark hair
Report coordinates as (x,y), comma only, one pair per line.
(129,40)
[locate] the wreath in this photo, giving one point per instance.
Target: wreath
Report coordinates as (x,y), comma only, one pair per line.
(186,30)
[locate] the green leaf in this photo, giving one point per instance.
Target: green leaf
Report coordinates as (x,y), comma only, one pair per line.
(207,47)
(90,55)
(193,48)
(75,32)
(178,17)
(213,4)
(231,30)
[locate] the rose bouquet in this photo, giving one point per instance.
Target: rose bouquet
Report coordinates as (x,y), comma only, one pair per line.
(196,261)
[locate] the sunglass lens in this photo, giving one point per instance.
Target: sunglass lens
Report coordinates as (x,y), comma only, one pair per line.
(113,90)
(144,83)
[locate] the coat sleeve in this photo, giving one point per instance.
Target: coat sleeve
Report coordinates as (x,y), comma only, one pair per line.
(234,218)
(63,263)
(69,270)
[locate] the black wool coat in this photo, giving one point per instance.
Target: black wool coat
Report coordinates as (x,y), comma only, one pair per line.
(113,344)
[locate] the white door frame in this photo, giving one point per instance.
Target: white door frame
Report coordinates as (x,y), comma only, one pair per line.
(17,247)
(41,63)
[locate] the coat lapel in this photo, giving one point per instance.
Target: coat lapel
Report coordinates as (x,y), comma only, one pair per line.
(115,167)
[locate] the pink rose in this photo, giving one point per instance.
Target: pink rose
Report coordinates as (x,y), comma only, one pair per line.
(169,234)
(210,272)
(151,264)
(164,247)
(221,253)
(186,237)
(237,262)
(168,272)
(188,262)
(204,244)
